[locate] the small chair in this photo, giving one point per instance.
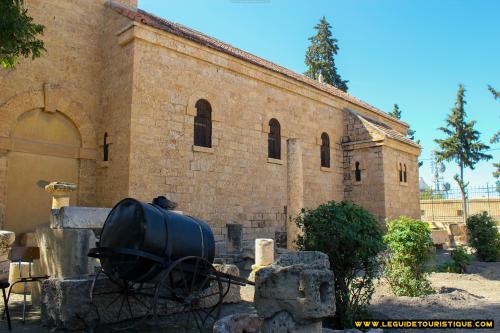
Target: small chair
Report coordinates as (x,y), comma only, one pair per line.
(4,285)
(24,254)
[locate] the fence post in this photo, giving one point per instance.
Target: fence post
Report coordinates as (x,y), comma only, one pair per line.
(488,196)
(432,208)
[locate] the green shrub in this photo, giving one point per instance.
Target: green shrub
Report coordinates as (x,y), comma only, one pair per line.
(483,236)
(460,259)
(351,237)
(410,246)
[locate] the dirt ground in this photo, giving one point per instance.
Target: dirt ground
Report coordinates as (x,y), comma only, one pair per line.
(475,295)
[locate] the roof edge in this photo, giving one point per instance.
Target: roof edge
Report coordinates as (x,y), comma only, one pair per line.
(195,36)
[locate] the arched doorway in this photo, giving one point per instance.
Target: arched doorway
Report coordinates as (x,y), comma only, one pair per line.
(45,147)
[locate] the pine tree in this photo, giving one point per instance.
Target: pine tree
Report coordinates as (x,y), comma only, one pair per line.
(496,94)
(18,33)
(462,144)
(396,112)
(320,56)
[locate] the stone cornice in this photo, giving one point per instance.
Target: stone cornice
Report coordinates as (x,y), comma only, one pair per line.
(175,43)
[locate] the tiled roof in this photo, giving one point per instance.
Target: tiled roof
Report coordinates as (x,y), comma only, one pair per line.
(387,131)
(146,18)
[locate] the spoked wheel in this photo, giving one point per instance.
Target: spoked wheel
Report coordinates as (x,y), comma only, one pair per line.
(118,300)
(190,290)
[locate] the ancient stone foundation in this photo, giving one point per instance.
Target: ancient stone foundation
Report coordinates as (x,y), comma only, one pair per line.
(6,240)
(65,297)
(295,293)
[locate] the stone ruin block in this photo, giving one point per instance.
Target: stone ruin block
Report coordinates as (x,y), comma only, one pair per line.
(63,252)
(66,303)
(6,240)
(239,323)
(233,295)
(71,217)
(295,293)
(283,322)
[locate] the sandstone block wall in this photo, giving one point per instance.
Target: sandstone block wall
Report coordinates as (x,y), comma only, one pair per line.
(64,79)
(3,182)
(401,198)
(116,103)
(380,190)
(232,182)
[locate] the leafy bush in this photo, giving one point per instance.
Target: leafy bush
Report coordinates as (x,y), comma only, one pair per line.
(351,237)
(410,246)
(484,236)
(460,259)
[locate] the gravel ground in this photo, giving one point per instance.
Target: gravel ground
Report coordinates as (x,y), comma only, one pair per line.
(475,295)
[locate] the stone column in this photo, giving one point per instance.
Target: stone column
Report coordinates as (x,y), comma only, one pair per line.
(295,195)
(3,185)
(264,252)
(60,193)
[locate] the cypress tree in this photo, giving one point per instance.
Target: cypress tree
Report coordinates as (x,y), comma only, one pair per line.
(462,144)
(320,56)
(495,139)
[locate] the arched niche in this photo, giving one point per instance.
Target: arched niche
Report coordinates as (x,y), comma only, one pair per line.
(45,147)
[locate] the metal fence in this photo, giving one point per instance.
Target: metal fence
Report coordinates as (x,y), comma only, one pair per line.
(446,206)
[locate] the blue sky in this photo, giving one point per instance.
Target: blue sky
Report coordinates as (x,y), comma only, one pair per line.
(414,53)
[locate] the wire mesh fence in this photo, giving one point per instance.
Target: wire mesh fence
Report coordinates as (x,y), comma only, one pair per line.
(446,206)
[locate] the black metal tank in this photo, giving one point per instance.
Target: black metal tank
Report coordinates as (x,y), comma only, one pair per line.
(140,239)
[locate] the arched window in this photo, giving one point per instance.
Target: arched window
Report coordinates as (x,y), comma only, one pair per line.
(203,124)
(105,148)
(274,139)
(400,169)
(357,172)
(404,173)
(325,150)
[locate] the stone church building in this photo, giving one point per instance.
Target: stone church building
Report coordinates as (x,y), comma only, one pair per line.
(126,104)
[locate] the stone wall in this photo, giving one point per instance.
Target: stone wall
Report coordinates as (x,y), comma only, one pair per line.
(65,79)
(401,198)
(234,181)
(369,192)
(363,145)
(3,183)
(379,190)
(117,100)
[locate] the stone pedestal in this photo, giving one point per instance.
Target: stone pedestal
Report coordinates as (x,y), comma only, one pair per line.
(60,193)
(65,244)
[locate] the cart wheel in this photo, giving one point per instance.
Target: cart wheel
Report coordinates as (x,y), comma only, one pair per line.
(118,300)
(191,289)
